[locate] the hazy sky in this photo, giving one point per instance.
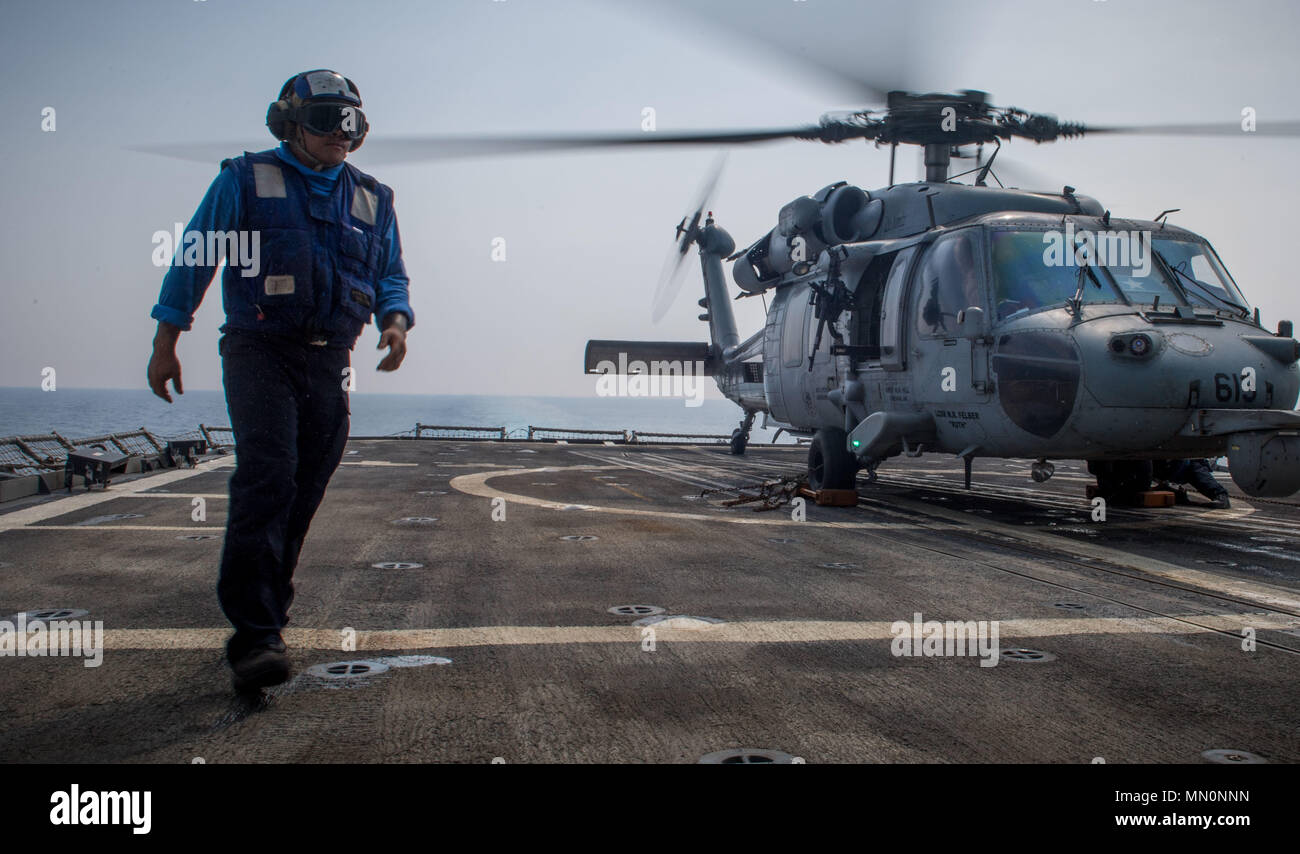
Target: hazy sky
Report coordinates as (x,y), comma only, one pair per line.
(586,233)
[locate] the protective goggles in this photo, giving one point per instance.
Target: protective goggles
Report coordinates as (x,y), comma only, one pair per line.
(323,119)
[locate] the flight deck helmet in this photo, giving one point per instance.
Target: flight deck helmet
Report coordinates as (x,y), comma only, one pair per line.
(322,101)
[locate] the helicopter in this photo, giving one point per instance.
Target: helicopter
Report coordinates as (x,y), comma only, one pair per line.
(985,321)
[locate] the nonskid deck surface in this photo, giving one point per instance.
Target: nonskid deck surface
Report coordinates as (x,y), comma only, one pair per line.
(499,643)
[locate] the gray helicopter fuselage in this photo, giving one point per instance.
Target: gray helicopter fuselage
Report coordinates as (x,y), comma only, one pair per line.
(995,323)
(921,362)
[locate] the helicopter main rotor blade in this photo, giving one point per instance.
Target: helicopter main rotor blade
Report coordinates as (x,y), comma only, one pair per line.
(199,152)
(1263,128)
(674,269)
(408,149)
(399,149)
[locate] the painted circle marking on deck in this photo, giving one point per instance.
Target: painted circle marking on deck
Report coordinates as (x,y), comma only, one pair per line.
(477,484)
(579,538)
(397,564)
(415,520)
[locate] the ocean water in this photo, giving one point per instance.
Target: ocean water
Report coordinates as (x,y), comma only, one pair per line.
(76,413)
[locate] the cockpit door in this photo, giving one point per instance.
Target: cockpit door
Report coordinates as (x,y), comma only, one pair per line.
(949,314)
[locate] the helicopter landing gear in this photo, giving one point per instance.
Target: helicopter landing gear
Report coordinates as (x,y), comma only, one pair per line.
(1042,471)
(1121,479)
(830,465)
(740,436)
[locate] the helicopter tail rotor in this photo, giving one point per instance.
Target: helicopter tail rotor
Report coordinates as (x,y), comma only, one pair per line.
(688,232)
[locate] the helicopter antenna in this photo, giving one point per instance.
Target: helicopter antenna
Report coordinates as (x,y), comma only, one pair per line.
(1161,219)
(984,170)
(982,177)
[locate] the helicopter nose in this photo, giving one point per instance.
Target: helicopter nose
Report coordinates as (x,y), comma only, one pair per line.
(1142,384)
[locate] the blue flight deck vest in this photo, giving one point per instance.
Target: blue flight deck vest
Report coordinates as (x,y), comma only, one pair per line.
(320,255)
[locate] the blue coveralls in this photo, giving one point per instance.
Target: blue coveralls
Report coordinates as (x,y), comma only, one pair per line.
(329,259)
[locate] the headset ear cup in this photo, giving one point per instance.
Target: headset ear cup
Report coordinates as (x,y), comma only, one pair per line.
(275,119)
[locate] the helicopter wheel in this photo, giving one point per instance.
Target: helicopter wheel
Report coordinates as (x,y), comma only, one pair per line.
(739,439)
(830,465)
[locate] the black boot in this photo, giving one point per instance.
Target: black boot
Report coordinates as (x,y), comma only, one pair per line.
(261,667)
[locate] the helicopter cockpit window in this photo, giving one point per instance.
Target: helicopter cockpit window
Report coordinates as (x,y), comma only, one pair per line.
(1198,270)
(949,283)
(1024,281)
(1141,283)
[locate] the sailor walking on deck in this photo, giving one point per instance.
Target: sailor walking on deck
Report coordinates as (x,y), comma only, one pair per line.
(325,257)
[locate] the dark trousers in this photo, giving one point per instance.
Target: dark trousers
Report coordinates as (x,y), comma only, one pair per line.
(289,412)
(1196,473)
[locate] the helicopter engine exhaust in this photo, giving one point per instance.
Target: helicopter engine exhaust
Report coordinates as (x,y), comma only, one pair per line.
(1265,465)
(840,213)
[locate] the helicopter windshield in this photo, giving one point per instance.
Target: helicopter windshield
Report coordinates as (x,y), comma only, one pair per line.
(1024,281)
(1195,264)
